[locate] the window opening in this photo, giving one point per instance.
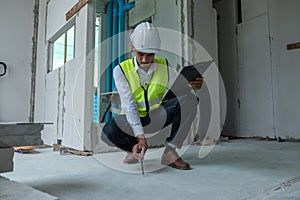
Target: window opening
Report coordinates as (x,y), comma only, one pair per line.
(63,48)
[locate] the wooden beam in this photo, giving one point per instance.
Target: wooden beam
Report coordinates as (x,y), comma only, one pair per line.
(76,8)
(293,46)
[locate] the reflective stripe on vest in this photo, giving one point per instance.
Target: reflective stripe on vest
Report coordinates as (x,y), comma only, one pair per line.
(149,98)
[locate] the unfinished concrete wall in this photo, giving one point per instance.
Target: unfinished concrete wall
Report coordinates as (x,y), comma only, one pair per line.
(41,63)
(17,31)
(254,66)
(227,49)
(268,80)
(168,16)
(263,101)
(204,27)
(202,18)
(285,29)
(198,20)
(65,94)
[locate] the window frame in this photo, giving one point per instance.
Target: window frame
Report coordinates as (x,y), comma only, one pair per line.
(55,37)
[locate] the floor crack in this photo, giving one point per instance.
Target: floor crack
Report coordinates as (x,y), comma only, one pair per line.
(286,184)
(269,193)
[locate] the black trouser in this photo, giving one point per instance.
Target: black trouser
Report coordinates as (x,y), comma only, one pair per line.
(180,112)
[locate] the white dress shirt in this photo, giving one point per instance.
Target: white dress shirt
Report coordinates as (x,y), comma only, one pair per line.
(127,101)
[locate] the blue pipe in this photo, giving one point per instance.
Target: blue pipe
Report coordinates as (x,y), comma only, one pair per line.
(108,51)
(123,8)
(114,39)
(108,47)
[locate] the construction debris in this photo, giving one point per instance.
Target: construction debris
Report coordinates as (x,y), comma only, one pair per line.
(43,146)
(24,149)
(268,138)
(207,141)
(279,139)
(65,151)
(56,147)
(224,139)
(80,153)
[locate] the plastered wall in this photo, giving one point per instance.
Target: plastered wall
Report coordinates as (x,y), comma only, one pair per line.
(260,74)
(285,29)
(17,27)
(65,94)
(227,49)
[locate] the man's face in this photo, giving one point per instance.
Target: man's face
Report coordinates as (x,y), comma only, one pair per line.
(144,59)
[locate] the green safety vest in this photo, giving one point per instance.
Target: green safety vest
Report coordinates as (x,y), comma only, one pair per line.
(149,98)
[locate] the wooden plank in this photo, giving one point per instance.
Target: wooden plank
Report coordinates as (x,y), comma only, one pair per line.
(24,149)
(293,46)
(66,150)
(76,8)
(80,153)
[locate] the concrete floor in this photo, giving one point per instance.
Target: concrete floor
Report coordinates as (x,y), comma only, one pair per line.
(234,170)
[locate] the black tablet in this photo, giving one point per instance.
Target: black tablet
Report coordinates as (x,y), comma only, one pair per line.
(191,72)
(187,74)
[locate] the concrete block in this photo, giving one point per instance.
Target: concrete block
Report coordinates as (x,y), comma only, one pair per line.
(6,166)
(14,134)
(6,159)
(6,154)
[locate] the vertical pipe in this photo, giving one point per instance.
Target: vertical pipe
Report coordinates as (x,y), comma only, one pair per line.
(121,30)
(123,8)
(114,39)
(108,47)
(115,27)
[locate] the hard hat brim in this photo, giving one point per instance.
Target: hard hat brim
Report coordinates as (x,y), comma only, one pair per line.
(147,50)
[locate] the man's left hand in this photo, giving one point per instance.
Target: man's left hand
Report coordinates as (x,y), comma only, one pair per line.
(197,84)
(141,147)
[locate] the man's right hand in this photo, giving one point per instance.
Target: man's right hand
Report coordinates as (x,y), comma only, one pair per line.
(141,147)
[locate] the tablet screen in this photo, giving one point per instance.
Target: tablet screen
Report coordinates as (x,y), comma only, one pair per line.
(191,72)
(188,73)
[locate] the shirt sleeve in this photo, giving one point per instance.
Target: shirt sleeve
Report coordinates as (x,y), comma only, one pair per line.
(127,101)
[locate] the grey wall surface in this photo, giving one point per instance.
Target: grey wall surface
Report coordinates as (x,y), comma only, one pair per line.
(227,49)
(17,27)
(285,29)
(168,15)
(260,74)
(41,70)
(255,81)
(203,29)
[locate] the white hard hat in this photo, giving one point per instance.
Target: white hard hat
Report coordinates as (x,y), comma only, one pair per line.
(145,38)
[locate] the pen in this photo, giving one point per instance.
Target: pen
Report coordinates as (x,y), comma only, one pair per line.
(142,165)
